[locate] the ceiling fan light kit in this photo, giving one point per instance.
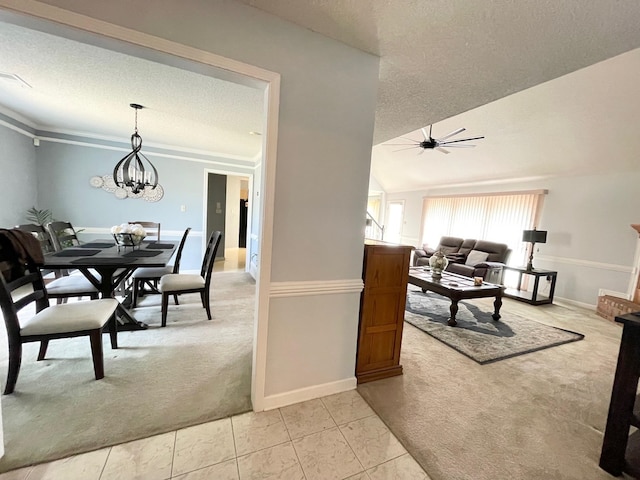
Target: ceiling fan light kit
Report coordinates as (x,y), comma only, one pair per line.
(438,143)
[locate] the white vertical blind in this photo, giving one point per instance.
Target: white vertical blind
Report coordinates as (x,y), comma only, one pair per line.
(495,217)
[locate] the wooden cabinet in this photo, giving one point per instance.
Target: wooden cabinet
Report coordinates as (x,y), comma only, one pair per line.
(385,274)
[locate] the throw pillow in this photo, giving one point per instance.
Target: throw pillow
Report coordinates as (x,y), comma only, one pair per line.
(475,257)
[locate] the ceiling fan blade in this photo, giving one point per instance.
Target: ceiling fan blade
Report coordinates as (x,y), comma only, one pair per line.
(407,144)
(460,146)
(440,149)
(461,140)
(455,132)
(421,151)
(410,139)
(409,148)
(424,133)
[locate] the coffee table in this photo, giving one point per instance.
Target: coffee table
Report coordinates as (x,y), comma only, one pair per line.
(456,287)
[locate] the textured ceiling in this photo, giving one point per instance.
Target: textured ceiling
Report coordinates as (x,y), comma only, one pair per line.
(440,58)
(78,88)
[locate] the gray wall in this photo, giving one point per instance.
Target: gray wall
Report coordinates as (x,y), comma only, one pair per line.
(590,242)
(64,171)
(18,181)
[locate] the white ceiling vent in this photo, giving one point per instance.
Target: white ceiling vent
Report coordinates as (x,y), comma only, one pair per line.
(14,79)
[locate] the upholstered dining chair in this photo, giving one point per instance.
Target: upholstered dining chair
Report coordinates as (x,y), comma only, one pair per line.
(64,286)
(150,276)
(179,283)
(152,228)
(21,284)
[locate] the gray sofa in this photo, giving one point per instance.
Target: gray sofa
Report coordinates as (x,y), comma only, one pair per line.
(469,257)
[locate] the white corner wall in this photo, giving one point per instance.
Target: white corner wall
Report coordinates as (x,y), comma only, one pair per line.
(232,214)
(326,116)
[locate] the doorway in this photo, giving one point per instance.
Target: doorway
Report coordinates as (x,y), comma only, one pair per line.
(395,220)
(226,209)
(139,44)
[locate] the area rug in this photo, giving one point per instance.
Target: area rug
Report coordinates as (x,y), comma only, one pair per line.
(477,335)
(159,380)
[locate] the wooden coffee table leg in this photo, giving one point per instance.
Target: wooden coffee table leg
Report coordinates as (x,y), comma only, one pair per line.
(453,309)
(496,308)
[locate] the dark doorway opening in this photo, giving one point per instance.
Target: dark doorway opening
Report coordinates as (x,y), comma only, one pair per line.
(242,235)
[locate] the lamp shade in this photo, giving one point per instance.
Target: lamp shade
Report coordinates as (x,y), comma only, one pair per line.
(535,236)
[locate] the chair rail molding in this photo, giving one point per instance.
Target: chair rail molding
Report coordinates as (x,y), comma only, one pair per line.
(586,263)
(315,287)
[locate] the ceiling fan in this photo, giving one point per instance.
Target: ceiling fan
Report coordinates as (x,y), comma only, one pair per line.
(437,143)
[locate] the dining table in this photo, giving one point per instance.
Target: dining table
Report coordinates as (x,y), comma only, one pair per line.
(107,265)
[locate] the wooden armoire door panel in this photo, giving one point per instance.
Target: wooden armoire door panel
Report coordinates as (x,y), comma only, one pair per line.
(385,274)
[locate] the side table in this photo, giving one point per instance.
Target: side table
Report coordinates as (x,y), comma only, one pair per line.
(532,297)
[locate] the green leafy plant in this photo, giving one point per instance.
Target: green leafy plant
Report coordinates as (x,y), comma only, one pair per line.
(39,217)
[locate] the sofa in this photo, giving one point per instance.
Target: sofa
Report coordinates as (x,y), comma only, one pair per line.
(469,257)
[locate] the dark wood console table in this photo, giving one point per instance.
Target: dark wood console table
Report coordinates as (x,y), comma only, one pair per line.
(532,297)
(621,451)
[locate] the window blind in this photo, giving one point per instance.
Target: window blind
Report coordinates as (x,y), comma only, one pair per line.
(497,217)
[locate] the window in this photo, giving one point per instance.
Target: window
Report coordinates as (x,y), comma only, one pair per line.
(498,217)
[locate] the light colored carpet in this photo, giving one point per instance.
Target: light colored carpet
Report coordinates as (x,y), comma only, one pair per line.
(477,335)
(160,379)
(535,416)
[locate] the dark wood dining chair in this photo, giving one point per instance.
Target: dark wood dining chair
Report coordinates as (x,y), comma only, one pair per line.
(63,235)
(64,286)
(179,283)
(152,228)
(150,276)
(21,284)
(41,233)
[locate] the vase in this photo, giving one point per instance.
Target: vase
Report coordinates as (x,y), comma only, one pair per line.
(438,262)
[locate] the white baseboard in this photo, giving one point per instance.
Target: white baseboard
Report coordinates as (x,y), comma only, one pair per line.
(588,306)
(309,393)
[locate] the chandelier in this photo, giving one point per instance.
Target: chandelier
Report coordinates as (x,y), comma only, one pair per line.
(130,172)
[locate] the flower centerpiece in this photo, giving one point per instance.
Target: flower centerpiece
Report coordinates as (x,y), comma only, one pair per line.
(128,234)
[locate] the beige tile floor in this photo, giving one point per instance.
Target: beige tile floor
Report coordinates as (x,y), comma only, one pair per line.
(234,260)
(335,437)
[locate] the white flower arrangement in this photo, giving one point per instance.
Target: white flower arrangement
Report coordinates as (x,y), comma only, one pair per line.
(132,228)
(128,233)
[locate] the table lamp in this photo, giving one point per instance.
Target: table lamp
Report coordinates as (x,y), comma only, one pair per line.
(533,236)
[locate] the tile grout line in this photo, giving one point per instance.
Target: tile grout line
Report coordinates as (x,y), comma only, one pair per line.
(103,466)
(292,445)
(235,447)
(364,470)
(173,454)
